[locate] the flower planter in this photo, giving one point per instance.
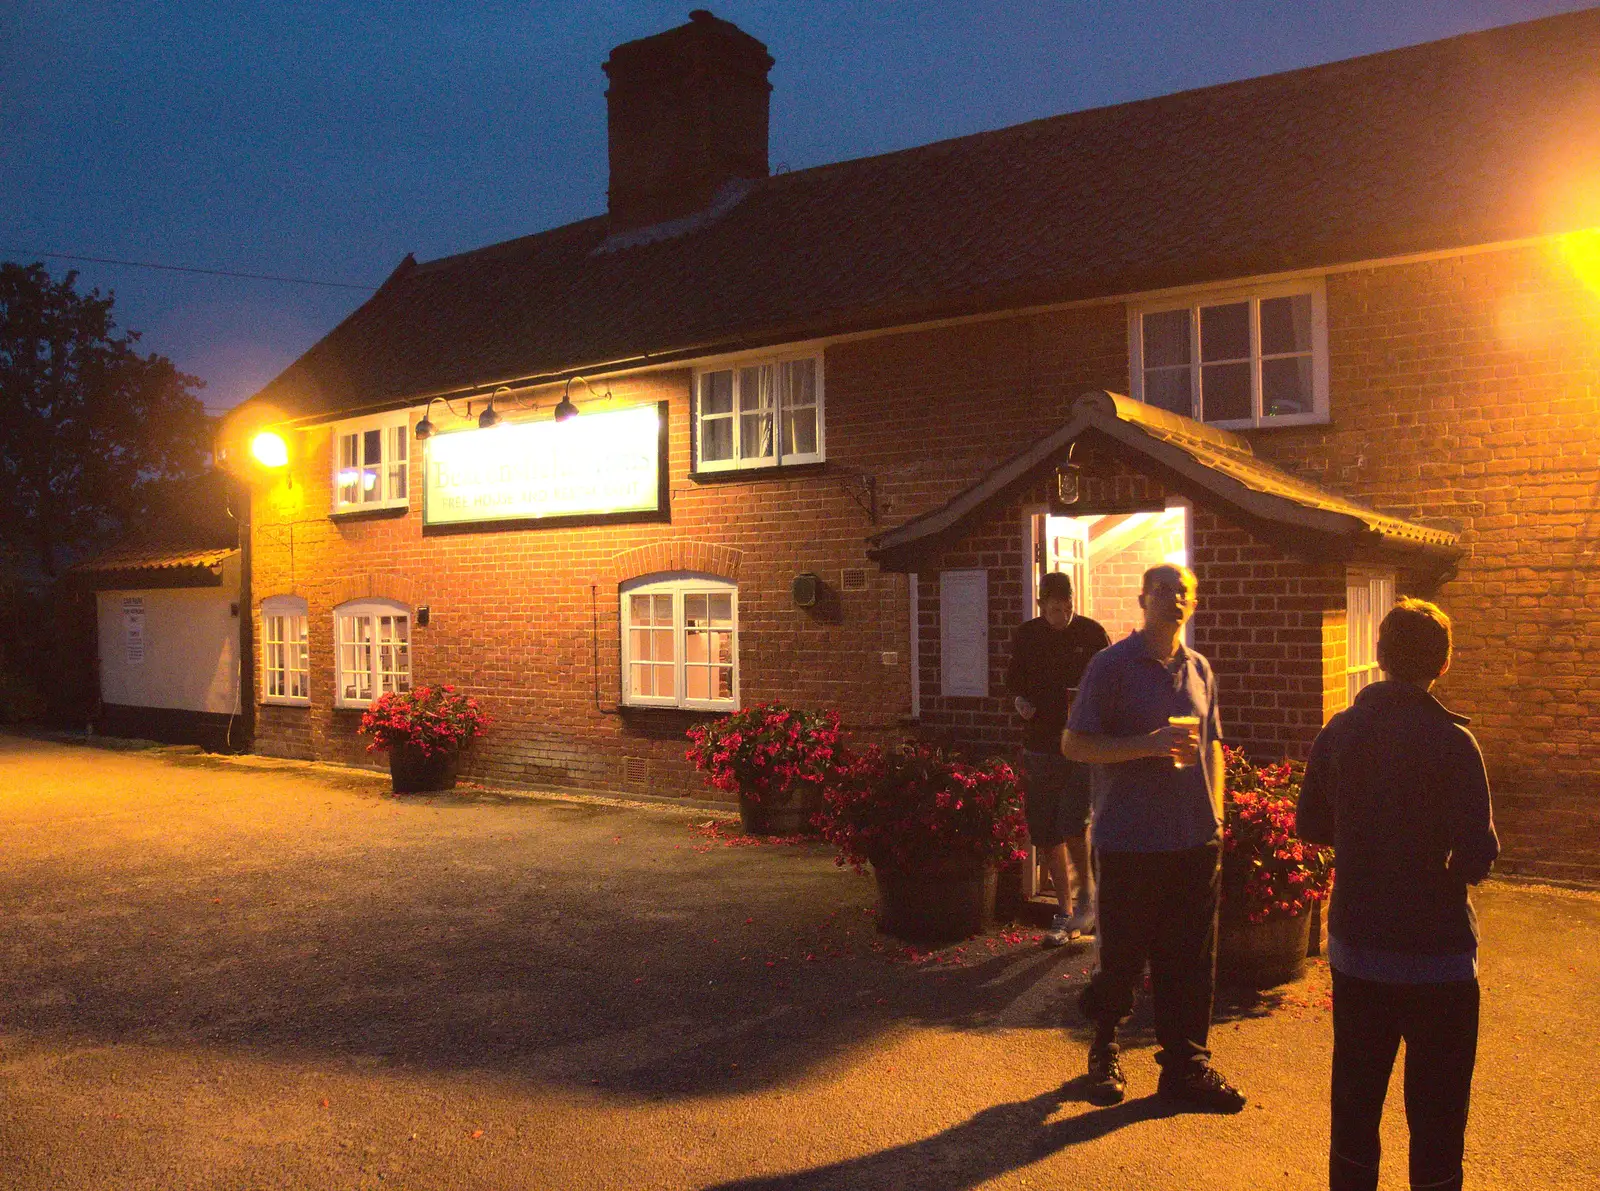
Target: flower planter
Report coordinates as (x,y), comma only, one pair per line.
(788,814)
(937,904)
(1263,954)
(414,772)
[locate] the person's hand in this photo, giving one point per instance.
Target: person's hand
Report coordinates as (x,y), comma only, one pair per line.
(1177,741)
(1024,708)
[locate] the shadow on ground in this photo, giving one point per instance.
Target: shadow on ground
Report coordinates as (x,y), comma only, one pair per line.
(569,942)
(1003,1138)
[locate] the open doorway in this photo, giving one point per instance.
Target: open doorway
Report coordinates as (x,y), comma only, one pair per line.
(1106,555)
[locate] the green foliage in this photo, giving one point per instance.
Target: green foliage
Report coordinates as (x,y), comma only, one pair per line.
(89,428)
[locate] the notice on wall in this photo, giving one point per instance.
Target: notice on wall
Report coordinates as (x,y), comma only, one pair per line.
(964,632)
(604,463)
(133,628)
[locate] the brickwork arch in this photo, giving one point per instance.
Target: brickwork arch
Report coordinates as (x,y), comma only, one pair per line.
(375,585)
(277,589)
(705,558)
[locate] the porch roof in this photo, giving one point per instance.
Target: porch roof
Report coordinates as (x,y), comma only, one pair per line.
(1202,462)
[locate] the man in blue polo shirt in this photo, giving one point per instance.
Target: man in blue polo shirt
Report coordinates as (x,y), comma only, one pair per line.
(1156,830)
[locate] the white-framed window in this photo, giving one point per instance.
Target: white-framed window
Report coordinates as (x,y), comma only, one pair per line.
(680,642)
(758,413)
(371,462)
(285,655)
(372,650)
(1237,358)
(1367,600)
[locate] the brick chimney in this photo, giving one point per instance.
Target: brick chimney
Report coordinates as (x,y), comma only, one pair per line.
(688,113)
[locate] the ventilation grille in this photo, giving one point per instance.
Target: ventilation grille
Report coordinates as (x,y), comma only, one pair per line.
(853,579)
(635,770)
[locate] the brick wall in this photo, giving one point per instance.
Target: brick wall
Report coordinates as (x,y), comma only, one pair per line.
(1266,620)
(528,619)
(1469,389)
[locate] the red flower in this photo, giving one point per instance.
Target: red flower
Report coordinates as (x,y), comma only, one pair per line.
(1266,871)
(434,719)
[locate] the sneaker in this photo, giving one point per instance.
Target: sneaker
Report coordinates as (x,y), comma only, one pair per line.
(1201,1086)
(1082,921)
(1061,932)
(1106,1081)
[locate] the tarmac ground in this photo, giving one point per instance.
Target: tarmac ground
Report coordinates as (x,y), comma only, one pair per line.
(238,973)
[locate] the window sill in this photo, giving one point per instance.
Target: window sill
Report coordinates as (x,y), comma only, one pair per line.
(1286,422)
(280,701)
(370,513)
(770,472)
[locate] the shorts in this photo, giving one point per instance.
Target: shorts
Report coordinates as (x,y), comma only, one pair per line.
(1055,797)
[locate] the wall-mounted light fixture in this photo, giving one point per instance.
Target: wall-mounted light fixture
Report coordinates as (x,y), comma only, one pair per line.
(425,428)
(489,418)
(268,449)
(565,409)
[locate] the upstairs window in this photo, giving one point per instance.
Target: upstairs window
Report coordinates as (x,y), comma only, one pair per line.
(1241,359)
(1368,599)
(285,656)
(372,651)
(371,463)
(759,414)
(680,642)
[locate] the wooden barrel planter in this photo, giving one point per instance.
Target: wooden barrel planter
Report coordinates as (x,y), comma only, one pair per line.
(936,904)
(781,814)
(411,771)
(1262,954)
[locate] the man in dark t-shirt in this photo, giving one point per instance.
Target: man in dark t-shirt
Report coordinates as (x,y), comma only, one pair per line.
(1047,660)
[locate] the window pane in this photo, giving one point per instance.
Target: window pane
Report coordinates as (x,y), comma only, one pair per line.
(639,644)
(698,681)
(716,393)
(666,687)
(639,683)
(722,648)
(663,609)
(694,609)
(797,380)
(1225,333)
(639,609)
(1168,389)
(716,440)
(800,431)
(661,645)
(1286,324)
(1166,338)
(755,412)
(1225,391)
(724,683)
(721,608)
(349,473)
(1286,386)
(371,458)
(696,648)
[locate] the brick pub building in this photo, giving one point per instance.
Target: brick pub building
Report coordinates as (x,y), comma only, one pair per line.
(1329,336)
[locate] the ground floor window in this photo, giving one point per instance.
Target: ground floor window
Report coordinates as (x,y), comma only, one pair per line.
(372,650)
(1368,598)
(680,642)
(285,657)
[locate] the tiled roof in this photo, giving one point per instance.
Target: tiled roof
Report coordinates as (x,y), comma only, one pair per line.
(1205,461)
(1477,139)
(155,557)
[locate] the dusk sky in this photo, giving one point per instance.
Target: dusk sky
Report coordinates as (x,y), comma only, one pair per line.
(327,140)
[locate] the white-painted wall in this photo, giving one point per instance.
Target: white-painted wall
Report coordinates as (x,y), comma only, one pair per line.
(191,647)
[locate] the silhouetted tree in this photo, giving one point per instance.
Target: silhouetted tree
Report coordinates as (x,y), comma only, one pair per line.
(89,428)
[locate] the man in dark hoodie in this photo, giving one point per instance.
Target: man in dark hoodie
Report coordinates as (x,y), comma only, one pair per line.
(1397,785)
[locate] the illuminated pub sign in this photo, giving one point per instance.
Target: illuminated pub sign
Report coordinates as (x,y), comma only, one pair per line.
(610,465)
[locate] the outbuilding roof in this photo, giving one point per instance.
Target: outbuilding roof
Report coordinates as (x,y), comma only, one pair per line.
(1204,461)
(1477,139)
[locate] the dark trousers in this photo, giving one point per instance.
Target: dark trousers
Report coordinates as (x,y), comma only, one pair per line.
(1161,907)
(1439,1023)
